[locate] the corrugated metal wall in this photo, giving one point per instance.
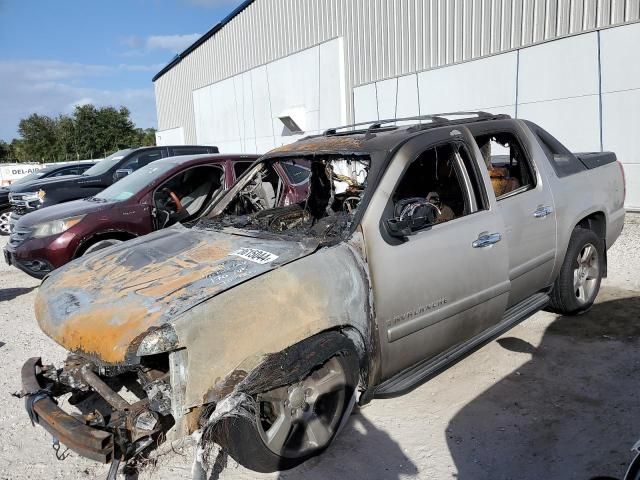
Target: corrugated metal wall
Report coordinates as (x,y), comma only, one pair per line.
(383,38)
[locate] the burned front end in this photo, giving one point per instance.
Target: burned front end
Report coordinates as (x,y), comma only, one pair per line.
(123,386)
(111,413)
(167,327)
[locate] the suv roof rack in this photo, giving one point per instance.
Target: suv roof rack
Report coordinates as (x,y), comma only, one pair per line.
(436,118)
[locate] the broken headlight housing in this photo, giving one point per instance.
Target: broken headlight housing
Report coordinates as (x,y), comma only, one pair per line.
(160,340)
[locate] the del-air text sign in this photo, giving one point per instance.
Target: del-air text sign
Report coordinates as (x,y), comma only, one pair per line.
(11,172)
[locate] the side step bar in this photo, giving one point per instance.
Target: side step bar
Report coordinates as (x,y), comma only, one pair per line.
(423,371)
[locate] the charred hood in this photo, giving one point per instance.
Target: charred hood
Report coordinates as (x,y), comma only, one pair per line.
(101,306)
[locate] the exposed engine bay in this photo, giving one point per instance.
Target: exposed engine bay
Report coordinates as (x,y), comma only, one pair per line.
(315,197)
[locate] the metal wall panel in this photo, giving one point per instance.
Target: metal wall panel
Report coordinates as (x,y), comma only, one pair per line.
(382,39)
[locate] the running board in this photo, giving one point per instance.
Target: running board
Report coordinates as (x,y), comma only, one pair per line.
(423,371)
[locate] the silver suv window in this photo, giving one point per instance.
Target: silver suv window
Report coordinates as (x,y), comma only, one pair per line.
(507,163)
(433,186)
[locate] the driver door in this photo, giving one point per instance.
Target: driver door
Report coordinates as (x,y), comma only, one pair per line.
(442,284)
(187,194)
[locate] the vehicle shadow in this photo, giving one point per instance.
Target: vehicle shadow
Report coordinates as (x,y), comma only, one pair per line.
(361,451)
(7,294)
(570,412)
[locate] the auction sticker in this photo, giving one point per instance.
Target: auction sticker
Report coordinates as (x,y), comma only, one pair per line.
(255,255)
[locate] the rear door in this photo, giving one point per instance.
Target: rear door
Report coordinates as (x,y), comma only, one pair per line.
(525,203)
(445,283)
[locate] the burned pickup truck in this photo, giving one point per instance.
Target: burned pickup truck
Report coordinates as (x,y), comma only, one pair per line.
(259,326)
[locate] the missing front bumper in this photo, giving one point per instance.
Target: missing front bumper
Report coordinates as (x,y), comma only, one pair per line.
(123,432)
(87,441)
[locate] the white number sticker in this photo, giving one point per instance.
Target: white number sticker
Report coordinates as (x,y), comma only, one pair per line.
(255,255)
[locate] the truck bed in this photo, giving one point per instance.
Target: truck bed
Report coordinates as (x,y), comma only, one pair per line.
(593,160)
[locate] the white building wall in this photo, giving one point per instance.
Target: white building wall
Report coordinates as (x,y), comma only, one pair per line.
(556,62)
(171,136)
(382,39)
(584,89)
(242,113)
(620,60)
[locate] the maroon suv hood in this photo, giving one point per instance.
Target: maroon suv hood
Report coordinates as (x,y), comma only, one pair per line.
(64,210)
(101,304)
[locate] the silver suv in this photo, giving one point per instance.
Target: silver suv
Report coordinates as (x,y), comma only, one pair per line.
(400,249)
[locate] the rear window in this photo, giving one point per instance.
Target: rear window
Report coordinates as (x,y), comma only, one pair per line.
(179,151)
(562,160)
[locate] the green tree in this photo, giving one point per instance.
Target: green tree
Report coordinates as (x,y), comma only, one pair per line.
(66,145)
(89,132)
(5,151)
(39,135)
(144,137)
(18,150)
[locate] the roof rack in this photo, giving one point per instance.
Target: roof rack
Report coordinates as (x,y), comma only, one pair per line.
(437,118)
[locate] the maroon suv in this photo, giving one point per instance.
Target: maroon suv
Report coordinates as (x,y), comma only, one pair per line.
(175,189)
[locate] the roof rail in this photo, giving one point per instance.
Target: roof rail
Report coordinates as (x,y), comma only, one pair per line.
(435,118)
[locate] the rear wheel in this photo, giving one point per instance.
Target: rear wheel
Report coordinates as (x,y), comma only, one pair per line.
(578,283)
(297,421)
(4,221)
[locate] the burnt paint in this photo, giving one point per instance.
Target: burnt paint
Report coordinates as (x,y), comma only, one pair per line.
(236,330)
(98,306)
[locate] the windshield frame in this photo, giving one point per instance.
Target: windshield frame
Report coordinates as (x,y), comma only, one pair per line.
(112,160)
(219,204)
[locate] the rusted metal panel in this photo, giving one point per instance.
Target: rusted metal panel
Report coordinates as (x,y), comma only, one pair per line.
(329,143)
(99,307)
(273,311)
(86,441)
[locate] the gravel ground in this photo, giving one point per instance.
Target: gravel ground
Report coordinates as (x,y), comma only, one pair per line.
(556,397)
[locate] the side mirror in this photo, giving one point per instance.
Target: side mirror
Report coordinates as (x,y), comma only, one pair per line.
(419,215)
(398,228)
(121,174)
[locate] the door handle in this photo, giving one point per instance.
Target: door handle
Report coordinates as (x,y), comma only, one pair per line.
(486,239)
(542,211)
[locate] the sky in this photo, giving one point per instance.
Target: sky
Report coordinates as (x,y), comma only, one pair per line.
(55,54)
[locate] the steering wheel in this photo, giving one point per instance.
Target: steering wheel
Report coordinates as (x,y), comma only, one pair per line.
(175,199)
(351,203)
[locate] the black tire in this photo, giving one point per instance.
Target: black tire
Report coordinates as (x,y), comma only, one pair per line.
(564,296)
(240,437)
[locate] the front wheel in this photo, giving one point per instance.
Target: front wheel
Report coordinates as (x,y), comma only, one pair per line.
(578,283)
(297,421)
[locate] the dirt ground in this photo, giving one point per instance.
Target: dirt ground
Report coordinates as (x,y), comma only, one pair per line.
(554,398)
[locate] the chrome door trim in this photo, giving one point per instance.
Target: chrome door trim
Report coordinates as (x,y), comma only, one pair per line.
(542,211)
(486,239)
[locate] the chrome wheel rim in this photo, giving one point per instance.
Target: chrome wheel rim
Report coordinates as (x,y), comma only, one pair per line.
(586,274)
(4,223)
(295,420)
